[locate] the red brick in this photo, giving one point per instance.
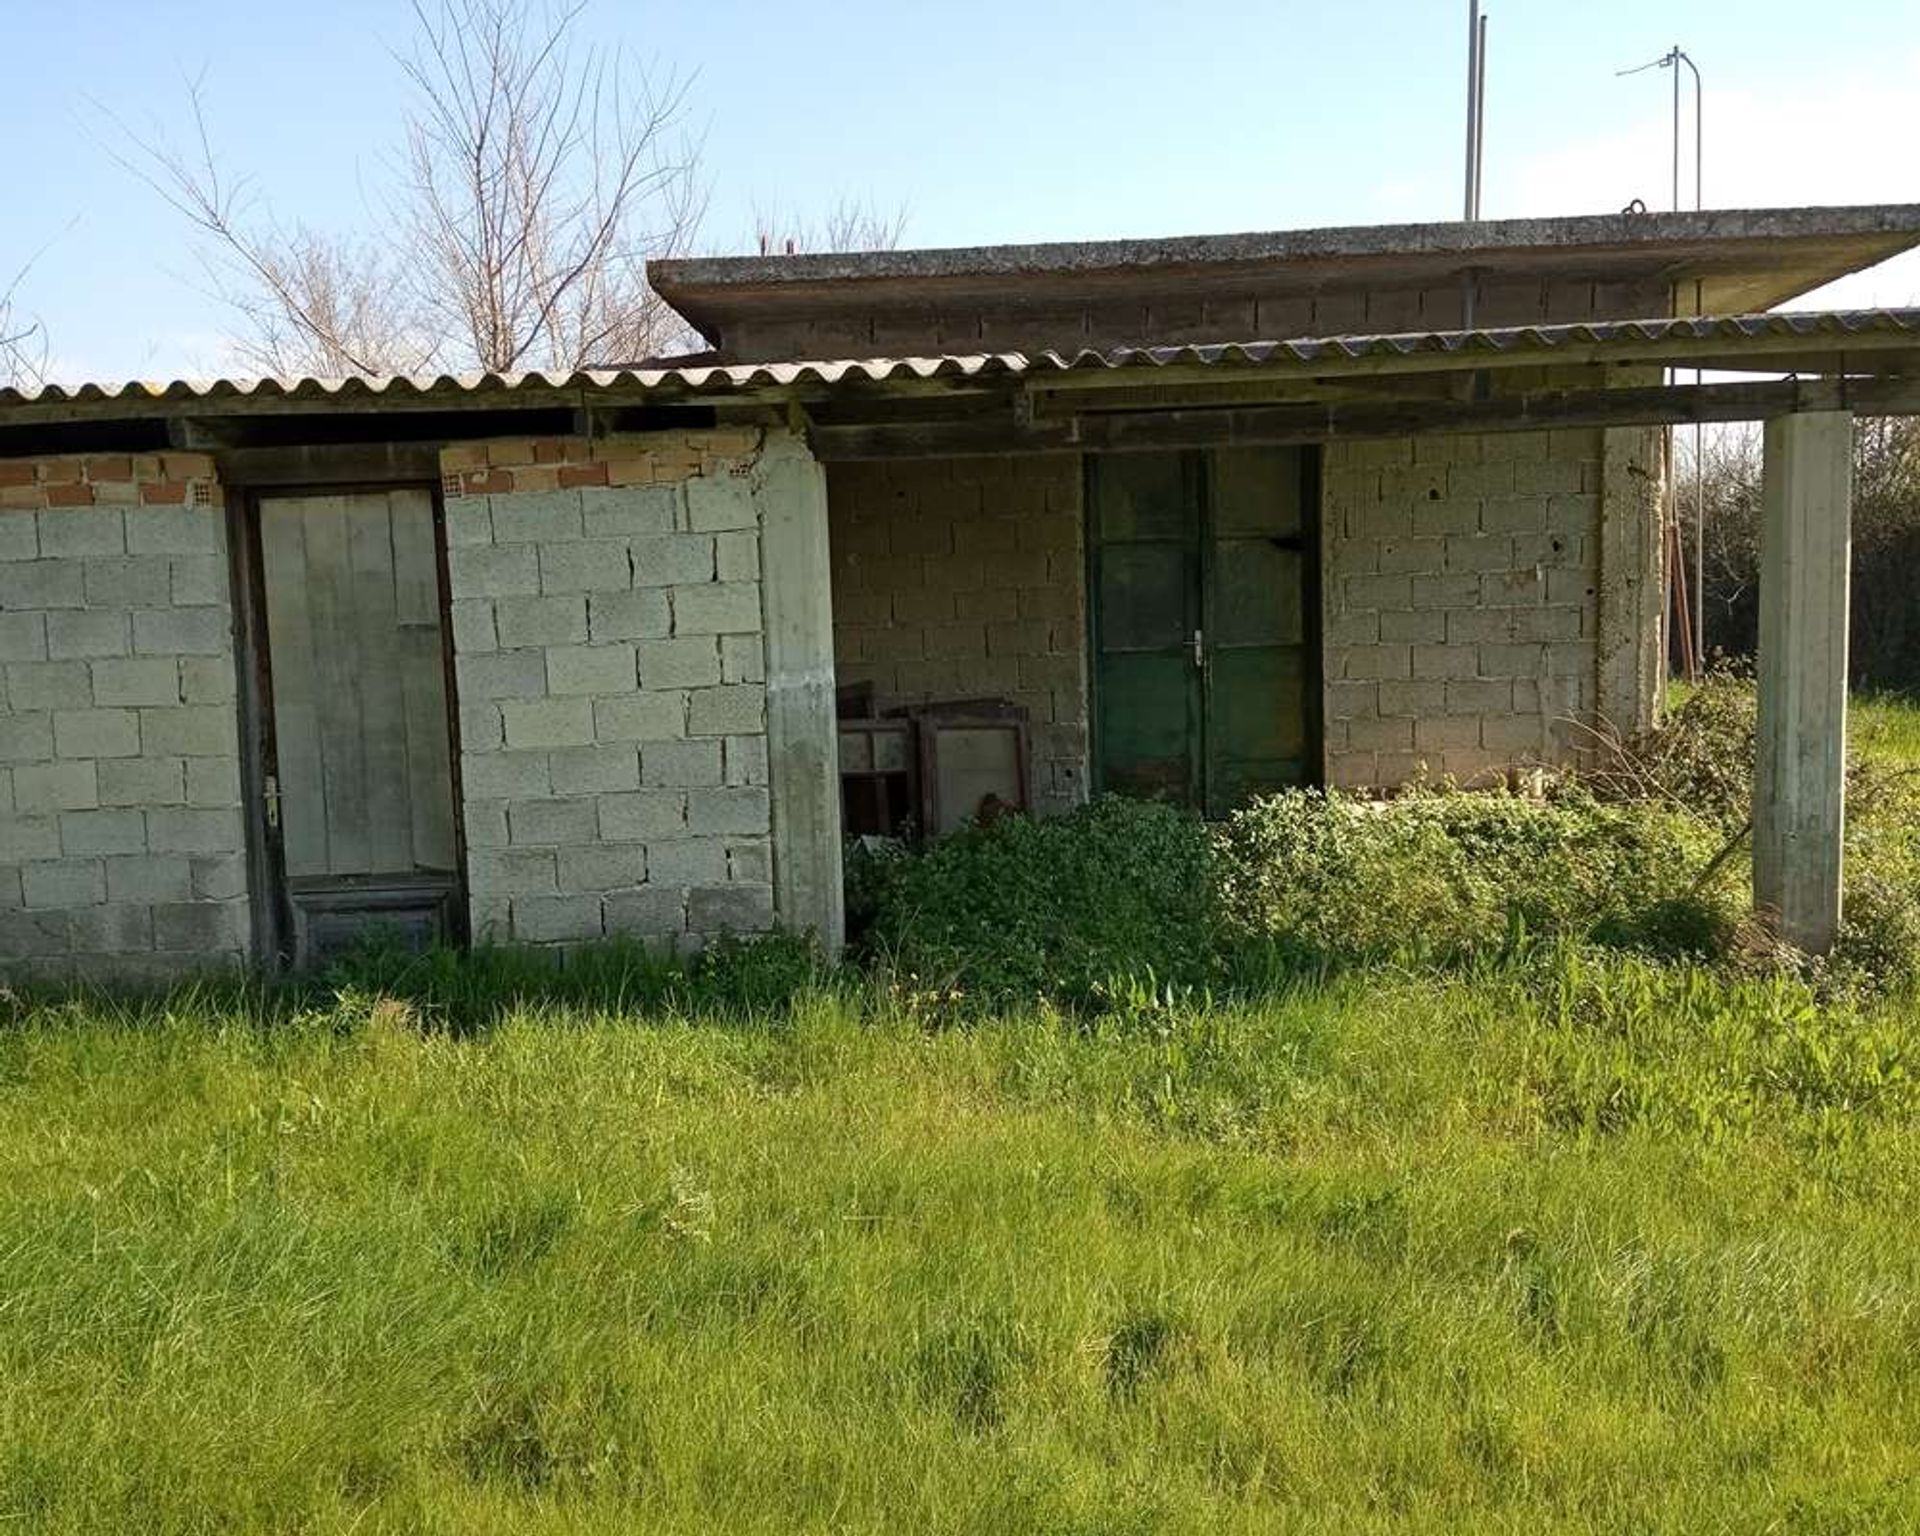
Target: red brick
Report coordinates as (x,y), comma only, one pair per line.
(491,482)
(582,474)
(557,450)
(70,494)
(17,472)
(164,493)
(187,466)
(59,471)
(119,467)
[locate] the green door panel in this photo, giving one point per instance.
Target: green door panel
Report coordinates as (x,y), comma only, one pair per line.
(1212,547)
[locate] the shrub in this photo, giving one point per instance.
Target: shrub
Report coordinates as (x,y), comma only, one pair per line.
(1447,876)
(1059,907)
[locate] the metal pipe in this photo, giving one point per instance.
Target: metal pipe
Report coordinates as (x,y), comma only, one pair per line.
(1699,461)
(1480,118)
(1473,106)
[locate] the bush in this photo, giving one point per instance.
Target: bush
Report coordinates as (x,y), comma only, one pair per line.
(1060,907)
(1444,877)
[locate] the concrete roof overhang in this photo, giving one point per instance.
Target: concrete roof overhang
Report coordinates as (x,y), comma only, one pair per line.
(1743,260)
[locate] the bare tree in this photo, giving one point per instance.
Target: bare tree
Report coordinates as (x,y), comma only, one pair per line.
(23,341)
(534,183)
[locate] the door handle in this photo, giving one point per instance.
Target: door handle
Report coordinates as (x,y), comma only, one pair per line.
(270,797)
(1199,651)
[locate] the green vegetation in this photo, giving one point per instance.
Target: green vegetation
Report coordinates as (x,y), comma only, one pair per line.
(1570,1244)
(1462,1164)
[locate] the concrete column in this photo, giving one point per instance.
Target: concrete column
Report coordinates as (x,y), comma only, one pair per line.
(1629,656)
(802,737)
(1799,794)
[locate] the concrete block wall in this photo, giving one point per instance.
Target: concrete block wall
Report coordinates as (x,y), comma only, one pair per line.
(610,662)
(121,842)
(965,578)
(1460,582)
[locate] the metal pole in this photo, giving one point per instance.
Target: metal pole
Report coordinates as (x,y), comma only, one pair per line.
(1699,462)
(1480,118)
(1473,106)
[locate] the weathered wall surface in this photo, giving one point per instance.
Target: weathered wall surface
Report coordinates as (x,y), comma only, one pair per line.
(608,634)
(1187,311)
(120,827)
(965,578)
(1460,595)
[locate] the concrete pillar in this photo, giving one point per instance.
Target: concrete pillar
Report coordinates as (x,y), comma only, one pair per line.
(1799,793)
(1629,656)
(802,737)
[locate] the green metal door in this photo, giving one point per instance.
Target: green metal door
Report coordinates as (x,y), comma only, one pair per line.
(1202,644)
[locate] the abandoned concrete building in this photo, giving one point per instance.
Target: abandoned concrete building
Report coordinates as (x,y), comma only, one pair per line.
(543,660)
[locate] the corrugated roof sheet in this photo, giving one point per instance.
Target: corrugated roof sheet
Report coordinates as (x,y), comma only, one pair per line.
(1302,354)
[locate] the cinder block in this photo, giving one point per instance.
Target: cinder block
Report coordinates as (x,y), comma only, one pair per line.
(1376,662)
(506,775)
(595,770)
(219,876)
(1447,733)
(686,861)
(592,565)
(469,522)
(717,608)
(719,502)
(64,883)
(23,636)
(680,764)
(25,738)
(553,516)
(84,834)
(1479,696)
(207,680)
(750,862)
(501,675)
(1516,735)
(547,722)
(1445,661)
(628,616)
(549,823)
(1479,552)
(148,877)
(96,733)
(1412,628)
(738,709)
(720,812)
(486,822)
(511,871)
(68,533)
(746,760)
(556,919)
(198,580)
(1378,592)
(631,511)
(653,715)
(198,927)
(730,908)
(150,680)
(181,730)
(213,781)
(578,669)
(42,584)
(112,930)
(647,913)
(175,531)
(692,662)
(194,831)
(39,787)
(513,571)
(643,815)
(81,632)
(1408,554)
(1513,514)
(19,537)
(480,728)
(37,685)
(539,621)
(1380,735)
(473,631)
(737,556)
(673,560)
(609,867)
(28,837)
(183,632)
(1409,699)
(743,659)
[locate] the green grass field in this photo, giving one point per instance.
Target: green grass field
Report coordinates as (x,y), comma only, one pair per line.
(1542,1250)
(1560,1244)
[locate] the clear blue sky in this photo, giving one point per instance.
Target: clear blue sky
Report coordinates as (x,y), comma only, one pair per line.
(988,120)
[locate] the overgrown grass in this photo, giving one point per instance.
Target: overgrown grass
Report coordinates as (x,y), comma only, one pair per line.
(1576,1244)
